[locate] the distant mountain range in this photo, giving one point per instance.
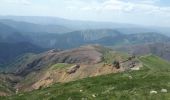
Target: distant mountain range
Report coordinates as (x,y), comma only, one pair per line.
(33,34)
(27,27)
(73,24)
(106,37)
(60,25)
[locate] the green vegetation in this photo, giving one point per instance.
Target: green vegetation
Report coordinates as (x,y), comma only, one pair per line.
(60,65)
(160,64)
(110,56)
(107,58)
(130,85)
(5,87)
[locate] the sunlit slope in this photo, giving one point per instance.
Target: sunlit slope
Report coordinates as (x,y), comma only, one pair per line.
(129,85)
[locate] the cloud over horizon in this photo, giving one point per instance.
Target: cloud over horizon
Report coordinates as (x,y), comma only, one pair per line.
(128,11)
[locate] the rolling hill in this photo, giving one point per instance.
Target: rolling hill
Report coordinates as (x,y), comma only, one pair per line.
(13,44)
(159,49)
(11,35)
(105,37)
(9,51)
(131,39)
(72,39)
(154,76)
(34,71)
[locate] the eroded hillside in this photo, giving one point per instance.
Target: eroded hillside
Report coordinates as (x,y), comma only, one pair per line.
(151,82)
(45,69)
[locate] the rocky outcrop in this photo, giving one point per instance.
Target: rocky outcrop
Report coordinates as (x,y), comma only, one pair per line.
(131,63)
(73,69)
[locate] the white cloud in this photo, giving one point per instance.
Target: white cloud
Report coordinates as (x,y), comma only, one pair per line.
(125,6)
(135,11)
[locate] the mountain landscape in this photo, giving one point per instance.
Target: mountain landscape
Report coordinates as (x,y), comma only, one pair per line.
(112,86)
(51,75)
(40,36)
(158,49)
(53,58)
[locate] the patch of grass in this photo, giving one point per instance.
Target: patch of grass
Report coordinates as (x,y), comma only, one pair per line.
(110,56)
(60,65)
(154,62)
(6,87)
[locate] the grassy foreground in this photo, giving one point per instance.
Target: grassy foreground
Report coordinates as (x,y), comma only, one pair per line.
(130,85)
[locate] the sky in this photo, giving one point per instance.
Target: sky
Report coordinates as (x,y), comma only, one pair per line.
(144,12)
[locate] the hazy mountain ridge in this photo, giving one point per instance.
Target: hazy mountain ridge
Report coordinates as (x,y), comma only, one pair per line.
(130,39)
(106,37)
(9,51)
(27,27)
(72,39)
(13,44)
(83,25)
(42,35)
(11,35)
(160,49)
(73,24)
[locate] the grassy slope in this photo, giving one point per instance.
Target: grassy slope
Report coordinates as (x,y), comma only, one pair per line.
(155,75)
(5,86)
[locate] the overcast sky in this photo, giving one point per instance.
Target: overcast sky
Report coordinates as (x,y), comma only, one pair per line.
(147,12)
